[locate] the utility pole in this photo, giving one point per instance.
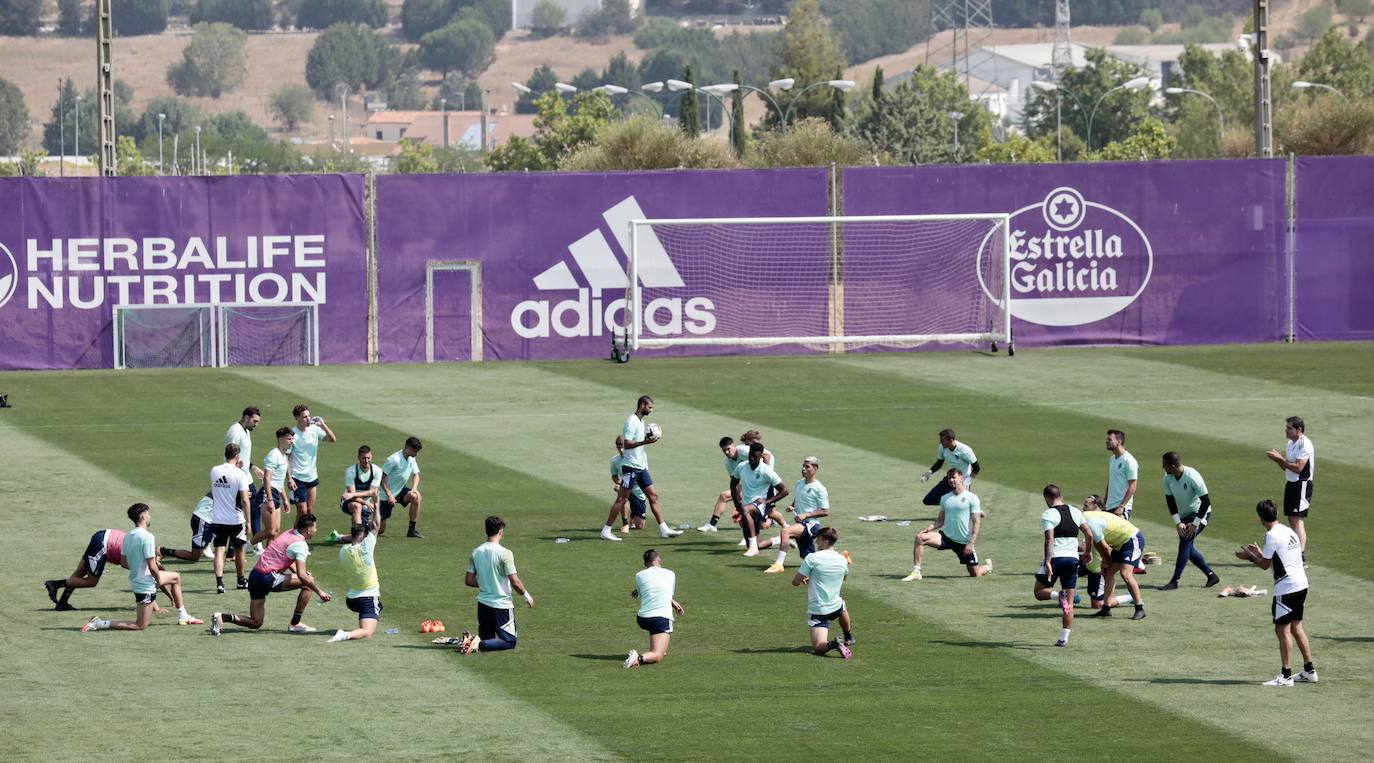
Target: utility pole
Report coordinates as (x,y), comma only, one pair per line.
(105,82)
(1061,57)
(61,130)
(1264,114)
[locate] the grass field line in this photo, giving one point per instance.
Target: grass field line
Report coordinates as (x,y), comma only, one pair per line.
(1131,387)
(420,684)
(884,555)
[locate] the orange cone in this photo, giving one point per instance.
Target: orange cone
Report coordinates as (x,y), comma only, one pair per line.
(438,626)
(427,626)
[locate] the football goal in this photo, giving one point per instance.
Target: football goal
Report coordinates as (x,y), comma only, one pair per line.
(216,335)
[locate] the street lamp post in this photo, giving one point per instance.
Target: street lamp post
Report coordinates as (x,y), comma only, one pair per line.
(443,105)
(1058,91)
(1138,83)
(78,129)
(161,116)
(955,116)
(781,84)
(677,86)
(331,132)
(1299,85)
(197,168)
(61,130)
(843,85)
(1221,118)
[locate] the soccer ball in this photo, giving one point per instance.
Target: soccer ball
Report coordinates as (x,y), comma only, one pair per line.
(655,431)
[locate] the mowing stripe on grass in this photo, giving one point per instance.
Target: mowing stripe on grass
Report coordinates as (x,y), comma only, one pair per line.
(982,621)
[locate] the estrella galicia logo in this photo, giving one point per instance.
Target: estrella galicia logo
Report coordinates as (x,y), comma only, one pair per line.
(9,275)
(1073,261)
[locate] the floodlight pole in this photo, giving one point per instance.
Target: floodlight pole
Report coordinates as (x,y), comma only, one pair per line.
(105,84)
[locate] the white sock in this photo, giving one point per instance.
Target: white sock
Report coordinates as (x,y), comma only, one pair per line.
(1124,598)
(1064,635)
(782,557)
(663,527)
(754,544)
(101,625)
(183,614)
(346,635)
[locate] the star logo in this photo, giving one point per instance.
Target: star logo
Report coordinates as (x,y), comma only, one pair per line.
(1063,209)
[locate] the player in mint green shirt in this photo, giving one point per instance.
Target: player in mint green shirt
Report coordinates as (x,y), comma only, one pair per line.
(402,485)
(634,471)
(824,572)
(1061,525)
(756,489)
(1191,509)
(954,455)
(637,507)
(654,587)
(954,529)
(269,501)
(309,431)
(146,576)
(491,570)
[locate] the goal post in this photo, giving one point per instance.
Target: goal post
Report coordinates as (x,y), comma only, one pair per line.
(216,335)
(825,283)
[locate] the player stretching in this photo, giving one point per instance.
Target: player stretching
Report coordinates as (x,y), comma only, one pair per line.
(1282,552)
(202,533)
(361,483)
(402,485)
(654,588)
(1121,545)
(1191,508)
(139,552)
(1122,474)
(824,573)
(735,454)
(491,570)
(755,489)
(229,489)
(959,456)
(639,503)
(635,471)
(309,431)
(1296,462)
(810,502)
(1061,525)
(956,529)
(280,568)
(269,502)
(364,591)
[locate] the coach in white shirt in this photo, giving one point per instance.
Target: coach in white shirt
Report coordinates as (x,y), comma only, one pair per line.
(1282,554)
(1297,466)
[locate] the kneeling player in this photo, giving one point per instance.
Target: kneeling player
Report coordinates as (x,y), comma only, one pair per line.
(955,529)
(756,489)
(811,501)
(491,570)
(139,553)
(280,568)
(654,588)
(364,591)
(1061,525)
(824,573)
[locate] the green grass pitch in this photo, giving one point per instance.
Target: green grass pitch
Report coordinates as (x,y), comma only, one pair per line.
(949,667)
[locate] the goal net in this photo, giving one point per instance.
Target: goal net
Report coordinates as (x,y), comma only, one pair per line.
(163,336)
(204,335)
(269,335)
(826,283)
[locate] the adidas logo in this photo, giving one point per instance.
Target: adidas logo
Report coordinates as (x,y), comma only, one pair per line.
(587,314)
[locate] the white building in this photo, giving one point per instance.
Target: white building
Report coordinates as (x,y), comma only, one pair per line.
(520,10)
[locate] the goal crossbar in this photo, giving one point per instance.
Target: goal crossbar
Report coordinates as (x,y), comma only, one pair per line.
(215,316)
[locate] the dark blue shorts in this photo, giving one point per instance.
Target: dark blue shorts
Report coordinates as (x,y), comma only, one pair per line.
(940,490)
(302,492)
(262,583)
(387,506)
(144,598)
(202,533)
(638,507)
(806,542)
(1097,584)
(367,607)
(366,513)
(949,544)
(630,476)
(1130,551)
(495,623)
(95,555)
(255,504)
(823,621)
(655,625)
(1065,570)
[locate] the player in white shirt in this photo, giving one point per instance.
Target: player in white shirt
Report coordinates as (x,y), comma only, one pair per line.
(1122,475)
(229,490)
(1297,466)
(269,502)
(402,485)
(1061,525)
(634,470)
(654,587)
(309,431)
(1282,553)
(240,433)
(959,456)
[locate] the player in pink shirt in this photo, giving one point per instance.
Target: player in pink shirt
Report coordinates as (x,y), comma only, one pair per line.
(105,546)
(280,567)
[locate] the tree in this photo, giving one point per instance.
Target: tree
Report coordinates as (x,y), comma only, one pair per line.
(689,117)
(738,136)
(1356,8)
(466,46)
(871,28)
(495,14)
(135,17)
(71,21)
(292,105)
(252,15)
(559,131)
(547,19)
(63,120)
(812,143)
(613,17)
(20,17)
(178,116)
(1151,19)
(810,53)
(420,17)
(212,63)
(1314,22)
(403,92)
(322,14)
(1326,126)
(461,93)
(14,118)
(1341,64)
(1148,143)
(351,54)
(1117,116)
(912,123)
(645,142)
(1019,149)
(129,161)
(424,159)
(1131,35)
(541,81)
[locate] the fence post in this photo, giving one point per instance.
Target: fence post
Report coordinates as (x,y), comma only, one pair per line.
(836,327)
(370,194)
(1291,197)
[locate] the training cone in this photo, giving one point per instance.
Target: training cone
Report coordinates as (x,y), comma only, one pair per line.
(438,626)
(427,626)
(847,558)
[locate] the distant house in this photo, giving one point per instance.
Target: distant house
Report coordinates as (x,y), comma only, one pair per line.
(520,10)
(464,127)
(1161,60)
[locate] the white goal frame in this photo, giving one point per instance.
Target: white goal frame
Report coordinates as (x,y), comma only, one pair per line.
(472,267)
(216,315)
(837,340)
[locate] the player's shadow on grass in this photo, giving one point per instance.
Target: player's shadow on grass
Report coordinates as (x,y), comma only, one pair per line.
(600,657)
(1348,639)
(774,650)
(1188,680)
(84,609)
(1020,645)
(1045,612)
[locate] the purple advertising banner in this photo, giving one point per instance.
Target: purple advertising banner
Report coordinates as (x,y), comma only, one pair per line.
(1114,253)
(1333,269)
(71,250)
(550,253)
